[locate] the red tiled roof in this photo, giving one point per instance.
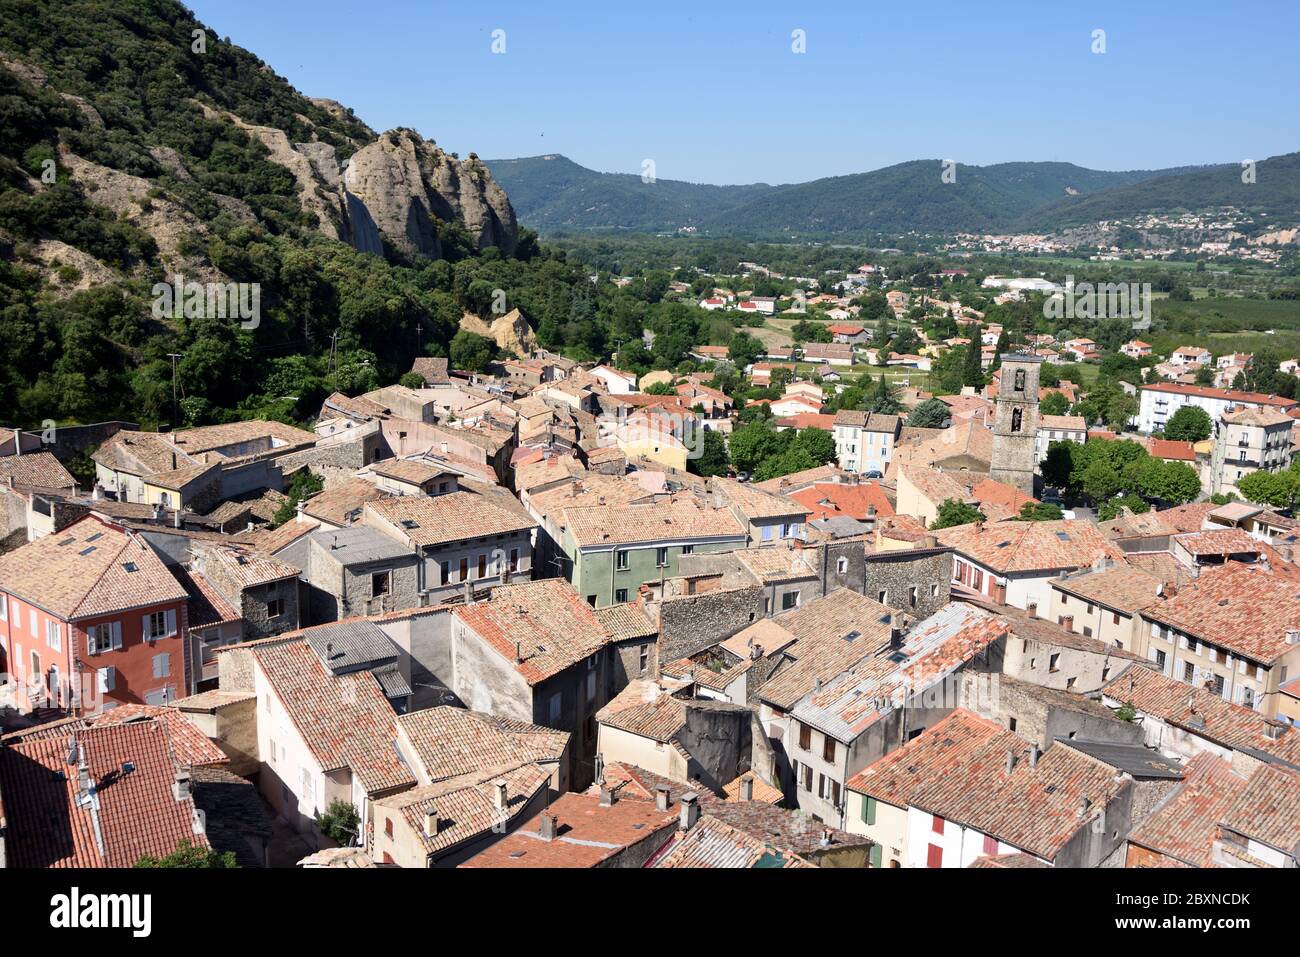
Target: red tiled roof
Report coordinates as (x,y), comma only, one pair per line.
(1183,827)
(1228,395)
(1202,713)
(1238,607)
(837,499)
(942,747)
(586,834)
(91,567)
(1172,450)
(345,720)
(544,622)
(1030,546)
(138,813)
(189,745)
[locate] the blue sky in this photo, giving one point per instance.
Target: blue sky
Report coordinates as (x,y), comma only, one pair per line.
(712,92)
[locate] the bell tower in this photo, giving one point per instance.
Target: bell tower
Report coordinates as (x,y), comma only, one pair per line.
(1015,423)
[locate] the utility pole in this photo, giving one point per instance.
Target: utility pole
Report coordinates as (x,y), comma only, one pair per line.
(175,408)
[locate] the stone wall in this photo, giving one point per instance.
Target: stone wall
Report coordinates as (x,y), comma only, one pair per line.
(897,573)
(691,623)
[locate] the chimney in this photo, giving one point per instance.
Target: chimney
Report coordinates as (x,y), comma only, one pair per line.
(173,460)
(747,788)
(690,810)
(663,797)
(18,442)
(298,508)
(469,592)
(607,796)
(519,652)
(499,796)
(1034,755)
(431,822)
(756,652)
(444,448)
(826,837)
(176,517)
(97,492)
(1293,636)
(181,784)
(157,511)
(895,637)
(1032,609)
(548,827)
(1011,760)
(1084,805)
(1275,729)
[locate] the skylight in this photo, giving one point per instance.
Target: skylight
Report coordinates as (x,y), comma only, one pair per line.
(1063,536)
(87,551)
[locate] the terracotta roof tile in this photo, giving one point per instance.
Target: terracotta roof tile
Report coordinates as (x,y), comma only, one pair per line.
(91,567)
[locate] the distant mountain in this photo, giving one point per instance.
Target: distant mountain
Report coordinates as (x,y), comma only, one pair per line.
(552,192)
(1275,192)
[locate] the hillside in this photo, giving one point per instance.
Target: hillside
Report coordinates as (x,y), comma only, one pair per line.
(129,157)
(552,192)
(1275,193)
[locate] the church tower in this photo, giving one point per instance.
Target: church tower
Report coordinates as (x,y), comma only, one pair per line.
(1015,423)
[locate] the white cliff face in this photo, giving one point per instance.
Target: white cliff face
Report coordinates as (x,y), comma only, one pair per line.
(406,184)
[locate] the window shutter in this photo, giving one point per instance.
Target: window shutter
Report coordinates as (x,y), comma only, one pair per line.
(876,853)
(117,634)
(144,627)
(171,622)
(869,811)
(107,678)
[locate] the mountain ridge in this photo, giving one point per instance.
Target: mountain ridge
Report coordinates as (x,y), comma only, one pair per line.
(552,192)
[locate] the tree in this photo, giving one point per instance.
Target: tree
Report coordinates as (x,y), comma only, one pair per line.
(660,388)
(471,351)
(818,443)
(1054,403)
(1276,489)
(713,458)
(1126,711)
(1189,424)
(339,822)
(745,349)
(972,371)
(189,855)
(302,485)
(411,380)
(885,398)
(1039,512)
(1175,482)
(954,512)
(930,414)
(753,443)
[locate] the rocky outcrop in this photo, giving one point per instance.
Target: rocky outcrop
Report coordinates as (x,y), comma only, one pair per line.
(407,184)
(510,332)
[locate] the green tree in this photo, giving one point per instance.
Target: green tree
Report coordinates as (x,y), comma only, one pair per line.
(972,371)
(1174,482)
(411,380)
(302,485)
(1039,512)
(745,349)
(188,855)
(471,351)
(1189,424)
(753,443)
(885,398)
(930,414)
(339,822)
(955,512)
(713,458)
(1275,489)
(818,443)
(1054,403)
